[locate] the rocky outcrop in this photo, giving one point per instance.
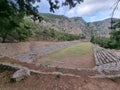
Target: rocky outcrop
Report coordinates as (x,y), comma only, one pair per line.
(75,25)
(101,27)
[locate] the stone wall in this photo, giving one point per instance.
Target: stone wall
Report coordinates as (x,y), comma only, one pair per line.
(30,51)
(11,49)
(38,51)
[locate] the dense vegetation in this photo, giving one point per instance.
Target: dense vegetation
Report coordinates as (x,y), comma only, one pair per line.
(29,30)
(20,33)
(112,42)
(51,34)
(12,18)
(12,13)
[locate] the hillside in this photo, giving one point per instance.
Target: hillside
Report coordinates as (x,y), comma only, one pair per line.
(57,28)
(61,23)
(76,25)
(102,27)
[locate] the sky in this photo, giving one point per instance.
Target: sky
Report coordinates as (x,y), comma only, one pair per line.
(89,10)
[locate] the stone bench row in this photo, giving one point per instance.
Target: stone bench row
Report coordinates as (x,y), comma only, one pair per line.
(103,56)
(106,60)
(112,66)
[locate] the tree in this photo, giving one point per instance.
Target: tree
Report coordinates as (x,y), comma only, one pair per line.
(113,24)
(115,35)
(12,13)
(55,4)
(9,18)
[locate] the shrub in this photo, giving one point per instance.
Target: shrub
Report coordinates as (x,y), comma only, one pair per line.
(113,42)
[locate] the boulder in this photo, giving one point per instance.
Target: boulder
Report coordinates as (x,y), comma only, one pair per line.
(21,74)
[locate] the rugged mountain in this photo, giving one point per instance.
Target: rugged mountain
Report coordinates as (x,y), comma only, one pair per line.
(75,25)
(101,27)
(61,23)
(58,27)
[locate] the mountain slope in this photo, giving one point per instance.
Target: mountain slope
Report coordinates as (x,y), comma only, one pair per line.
(103,26)
(61,23)
(76,25)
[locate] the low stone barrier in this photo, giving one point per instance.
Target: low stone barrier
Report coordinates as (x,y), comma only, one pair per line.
(11,49)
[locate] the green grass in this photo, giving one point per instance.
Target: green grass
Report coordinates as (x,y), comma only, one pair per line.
(46,63)
(79,49)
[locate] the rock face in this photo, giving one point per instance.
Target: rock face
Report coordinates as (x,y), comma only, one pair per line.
(103,26)
(20,74)
(76,25)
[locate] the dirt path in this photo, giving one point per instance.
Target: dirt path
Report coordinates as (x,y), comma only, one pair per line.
(50,82)
(55,82)
(76,61)
(70,61)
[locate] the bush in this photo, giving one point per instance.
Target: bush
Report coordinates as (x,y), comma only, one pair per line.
(113,42)
(48,33)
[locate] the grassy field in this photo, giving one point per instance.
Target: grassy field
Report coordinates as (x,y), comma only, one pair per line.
(82,49)
(79,49)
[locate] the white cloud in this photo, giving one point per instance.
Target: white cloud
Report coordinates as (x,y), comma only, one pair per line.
(94,9)
(90,8)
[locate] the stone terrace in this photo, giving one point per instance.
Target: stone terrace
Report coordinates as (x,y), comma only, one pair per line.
(105,59)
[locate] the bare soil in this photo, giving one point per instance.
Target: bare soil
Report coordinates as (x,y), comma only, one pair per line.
(51,82)
(71,61)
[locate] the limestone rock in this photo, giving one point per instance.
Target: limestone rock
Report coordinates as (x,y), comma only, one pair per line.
(20,74)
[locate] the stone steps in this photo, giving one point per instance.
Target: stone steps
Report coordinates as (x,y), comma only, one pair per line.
(103,56)
(105,59)
(114,55)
